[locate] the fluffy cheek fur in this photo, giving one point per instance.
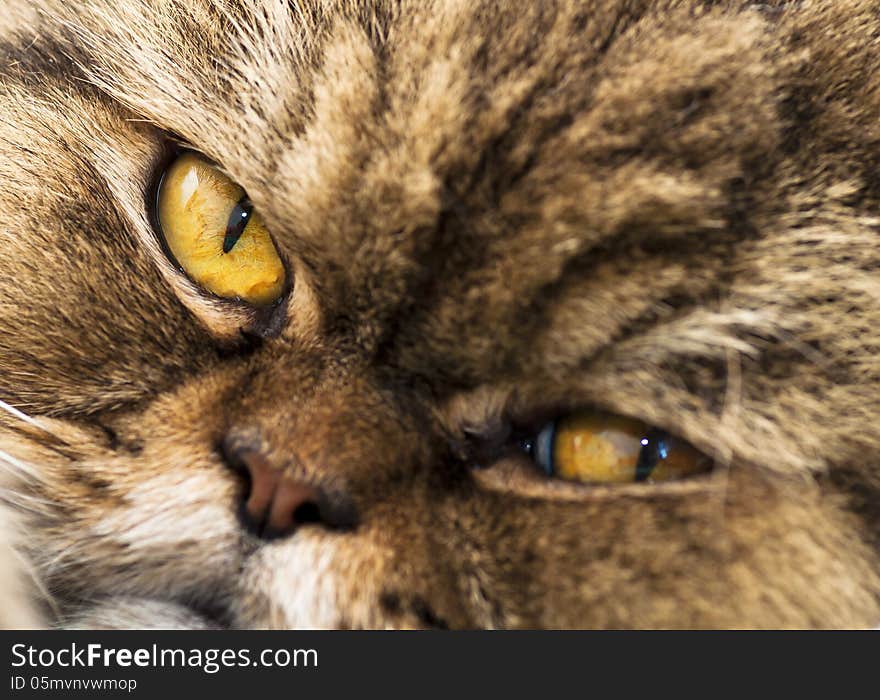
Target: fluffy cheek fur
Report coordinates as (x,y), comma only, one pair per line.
(15,609)
(152,517)
(147,511)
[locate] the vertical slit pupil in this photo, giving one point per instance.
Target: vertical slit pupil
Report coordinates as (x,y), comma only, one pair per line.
(239,218)
(654,451)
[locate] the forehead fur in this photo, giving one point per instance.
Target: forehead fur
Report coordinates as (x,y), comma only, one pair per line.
(596,174)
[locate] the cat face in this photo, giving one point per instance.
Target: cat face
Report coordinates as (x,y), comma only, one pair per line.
(493,220)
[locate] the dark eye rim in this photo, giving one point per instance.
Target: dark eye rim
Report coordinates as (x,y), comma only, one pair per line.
(263,321)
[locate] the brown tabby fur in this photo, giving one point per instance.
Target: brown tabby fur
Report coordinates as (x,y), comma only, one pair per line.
(491,211)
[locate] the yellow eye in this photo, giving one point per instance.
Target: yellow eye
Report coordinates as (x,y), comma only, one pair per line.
(595,447)
(216,236)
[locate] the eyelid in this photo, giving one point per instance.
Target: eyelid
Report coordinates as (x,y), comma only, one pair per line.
(229,321)
(513,474)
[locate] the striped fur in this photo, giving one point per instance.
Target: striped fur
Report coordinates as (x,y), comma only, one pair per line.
(491,210)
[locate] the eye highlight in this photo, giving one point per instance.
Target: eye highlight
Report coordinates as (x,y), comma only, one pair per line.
(589,446)
(215,234)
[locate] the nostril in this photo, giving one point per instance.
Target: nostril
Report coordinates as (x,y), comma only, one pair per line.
(274,504)
(288,499)
(308,512)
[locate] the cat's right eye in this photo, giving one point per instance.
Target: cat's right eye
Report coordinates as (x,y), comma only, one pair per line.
(215,235)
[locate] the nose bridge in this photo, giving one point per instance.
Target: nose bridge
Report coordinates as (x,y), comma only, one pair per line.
(341,432)
(355,430)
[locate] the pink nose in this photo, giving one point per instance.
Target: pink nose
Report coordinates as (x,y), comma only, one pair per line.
(276,504)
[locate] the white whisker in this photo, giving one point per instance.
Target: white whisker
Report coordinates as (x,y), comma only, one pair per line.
(12,410)
(28,420)
(24,502)
(18,467)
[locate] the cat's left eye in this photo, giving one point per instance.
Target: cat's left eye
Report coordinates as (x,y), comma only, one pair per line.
(215,234)
(590,446)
